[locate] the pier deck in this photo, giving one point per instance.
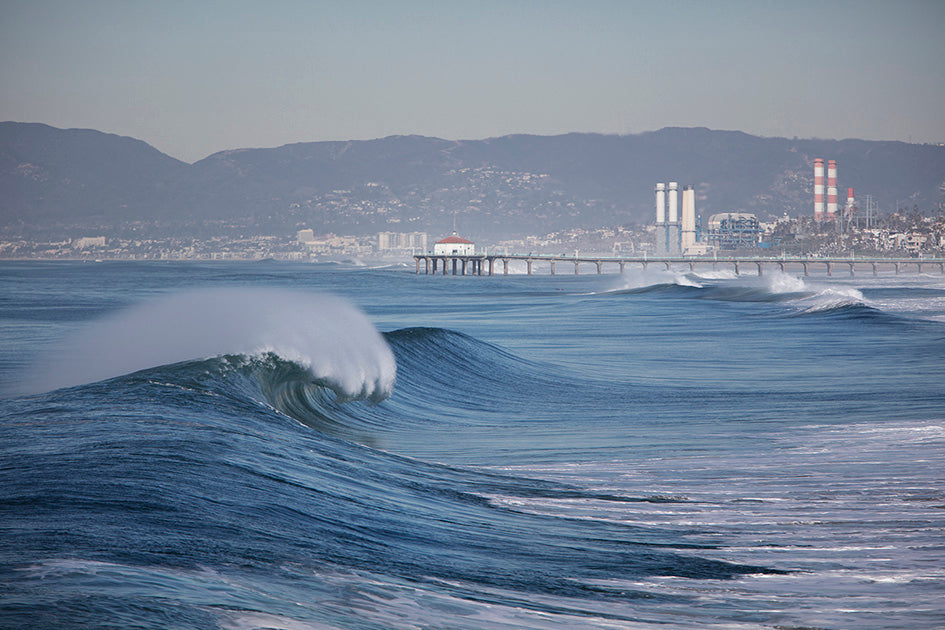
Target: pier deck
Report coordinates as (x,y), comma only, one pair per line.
(485,264)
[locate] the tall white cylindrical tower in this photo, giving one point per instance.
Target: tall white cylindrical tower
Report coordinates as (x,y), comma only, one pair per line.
(673,203)
(660,204)
(688,218)
(819,189)
(672,226)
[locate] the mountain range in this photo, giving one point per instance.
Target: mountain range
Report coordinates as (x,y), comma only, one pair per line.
(67,178)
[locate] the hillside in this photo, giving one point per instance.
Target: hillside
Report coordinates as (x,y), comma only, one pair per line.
(499,186)
(77,175)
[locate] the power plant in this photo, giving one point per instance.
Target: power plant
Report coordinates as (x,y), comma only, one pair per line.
(679,235)
(832,190)
(828,211)
(673,236)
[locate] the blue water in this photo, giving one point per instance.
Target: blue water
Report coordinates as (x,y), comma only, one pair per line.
(274,445)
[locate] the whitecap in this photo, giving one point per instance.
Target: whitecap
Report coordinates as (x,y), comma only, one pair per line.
(327,335)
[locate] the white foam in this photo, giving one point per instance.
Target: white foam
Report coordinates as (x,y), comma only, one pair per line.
(831,298)
(643,278)
(332,338)
(717,274)
(780,282)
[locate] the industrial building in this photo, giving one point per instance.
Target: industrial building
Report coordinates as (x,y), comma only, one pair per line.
(829,210)
(733,230)
(661,231)
(675,236)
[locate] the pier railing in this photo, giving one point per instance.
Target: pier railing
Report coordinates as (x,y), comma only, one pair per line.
(485,264)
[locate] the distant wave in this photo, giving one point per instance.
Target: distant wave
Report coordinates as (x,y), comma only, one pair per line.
(778,287)
(802,296)
(845,311)
(832,299)
(773,287)
(330,338)
(636,281)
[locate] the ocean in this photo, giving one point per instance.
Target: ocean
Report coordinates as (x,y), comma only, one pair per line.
(340,446)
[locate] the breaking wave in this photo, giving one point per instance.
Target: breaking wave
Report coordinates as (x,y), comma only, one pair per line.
(649,280)
(832,299)
(333,341)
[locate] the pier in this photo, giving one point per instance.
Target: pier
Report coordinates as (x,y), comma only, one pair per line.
(486,264)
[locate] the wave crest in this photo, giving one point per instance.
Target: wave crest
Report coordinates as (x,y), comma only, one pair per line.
(833,299)
(330,338)
(635,281)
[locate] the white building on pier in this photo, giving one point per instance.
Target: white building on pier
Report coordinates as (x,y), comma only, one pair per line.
(454,245)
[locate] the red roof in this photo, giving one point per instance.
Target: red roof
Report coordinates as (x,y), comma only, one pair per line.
(455,239)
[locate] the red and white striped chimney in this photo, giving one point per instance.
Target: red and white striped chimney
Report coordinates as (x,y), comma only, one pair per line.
(818,189)
(831,190)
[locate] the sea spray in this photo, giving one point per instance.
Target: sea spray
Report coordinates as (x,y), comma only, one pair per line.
(829,299)
(716,274)
(812,297)
(640,279)
(780,282)
(327,335)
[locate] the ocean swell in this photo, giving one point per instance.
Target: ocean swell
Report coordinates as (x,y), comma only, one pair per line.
(330,338)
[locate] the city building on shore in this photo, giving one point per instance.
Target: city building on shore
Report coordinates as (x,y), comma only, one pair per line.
(88,242)
(401,242)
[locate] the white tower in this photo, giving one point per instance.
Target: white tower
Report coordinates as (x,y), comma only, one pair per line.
(673,222)
(660,204)
(688,218)
(673,202)
(661,219)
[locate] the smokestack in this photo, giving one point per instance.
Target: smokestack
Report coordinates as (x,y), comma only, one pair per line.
(831,190)
(818,189)
(673,205)
(688,218)
(660,204)
(850,201)
(661,235)
(672,236)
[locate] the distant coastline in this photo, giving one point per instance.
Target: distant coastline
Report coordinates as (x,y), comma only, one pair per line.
(60,184)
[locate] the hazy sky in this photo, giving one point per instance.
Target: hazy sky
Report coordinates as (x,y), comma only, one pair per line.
(194,77)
